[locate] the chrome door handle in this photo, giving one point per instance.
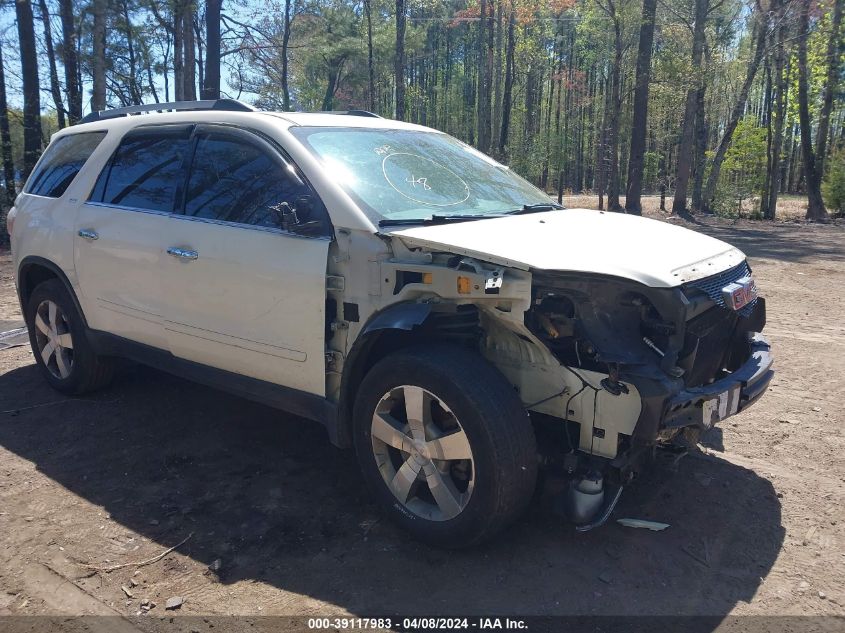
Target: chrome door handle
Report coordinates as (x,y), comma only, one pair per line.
(182,253)
(88,234)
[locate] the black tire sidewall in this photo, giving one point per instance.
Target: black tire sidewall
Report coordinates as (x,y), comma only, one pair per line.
(478,519)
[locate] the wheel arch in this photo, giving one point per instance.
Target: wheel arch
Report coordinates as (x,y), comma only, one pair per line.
(394,328)
(34,270)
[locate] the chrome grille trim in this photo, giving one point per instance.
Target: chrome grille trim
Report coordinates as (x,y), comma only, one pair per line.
(712,286)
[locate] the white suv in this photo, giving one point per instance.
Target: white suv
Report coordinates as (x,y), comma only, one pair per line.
(431,308)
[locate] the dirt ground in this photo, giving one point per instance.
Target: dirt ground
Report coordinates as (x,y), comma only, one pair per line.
(277,520)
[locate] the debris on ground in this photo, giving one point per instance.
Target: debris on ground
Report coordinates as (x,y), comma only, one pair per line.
(147,605)
(808,537)
(17,337)
(654,526)
(141,563)
(701,559)
(174,603)
(126,590)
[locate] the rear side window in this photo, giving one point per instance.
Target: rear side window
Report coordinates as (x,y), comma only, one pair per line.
(146,170)
(61,162)
(237,181)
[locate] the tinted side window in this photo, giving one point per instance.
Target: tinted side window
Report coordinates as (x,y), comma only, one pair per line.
(236,181)
(145,171)
(61,162)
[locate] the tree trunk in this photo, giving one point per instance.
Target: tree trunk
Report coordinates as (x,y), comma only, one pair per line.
(178,51)
(768,113)
(507,95)
(737,112)
(834,52)
(779,102)
(70,62)
(98,96)
(285,45)
(485,68)
(700,150)
(199,41)
(189,47)
(6,148)
(211,84)
(685,150)
(639,121)
(612,148)
(334,68)
(399,62)
(31,95)
(815,204)
(55,90)
(371,77)
(601,148)
(135,90)
(497,75)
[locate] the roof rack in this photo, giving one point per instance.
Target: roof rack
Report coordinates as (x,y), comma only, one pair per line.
(230,105)
(350,113)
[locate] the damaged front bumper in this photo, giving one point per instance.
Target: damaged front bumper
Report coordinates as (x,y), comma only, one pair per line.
(706,405)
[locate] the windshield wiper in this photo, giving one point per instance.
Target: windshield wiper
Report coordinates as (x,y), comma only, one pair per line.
(536,208)
(446,219)
(434,219)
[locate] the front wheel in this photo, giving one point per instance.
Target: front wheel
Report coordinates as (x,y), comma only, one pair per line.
(444,444)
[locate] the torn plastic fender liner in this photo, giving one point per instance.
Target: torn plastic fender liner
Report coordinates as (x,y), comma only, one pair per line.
(402,316)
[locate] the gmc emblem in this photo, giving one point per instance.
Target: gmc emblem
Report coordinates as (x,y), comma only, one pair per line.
(740,293)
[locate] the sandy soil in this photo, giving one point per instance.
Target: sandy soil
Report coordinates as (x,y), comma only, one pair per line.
(757,520)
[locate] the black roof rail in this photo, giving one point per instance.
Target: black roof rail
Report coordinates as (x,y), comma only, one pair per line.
(350,113)
(230,105)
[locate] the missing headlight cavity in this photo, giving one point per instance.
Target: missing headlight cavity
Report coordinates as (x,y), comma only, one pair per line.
(599,323)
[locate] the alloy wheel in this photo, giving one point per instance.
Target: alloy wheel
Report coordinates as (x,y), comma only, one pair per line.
(423,453)
(54,340)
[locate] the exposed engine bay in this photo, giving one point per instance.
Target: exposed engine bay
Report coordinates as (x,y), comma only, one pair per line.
(663,342)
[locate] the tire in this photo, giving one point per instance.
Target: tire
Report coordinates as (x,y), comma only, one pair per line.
(460,396)
(70,365)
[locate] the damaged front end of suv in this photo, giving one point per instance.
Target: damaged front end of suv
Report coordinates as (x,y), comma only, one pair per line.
(612,360)
(690,355)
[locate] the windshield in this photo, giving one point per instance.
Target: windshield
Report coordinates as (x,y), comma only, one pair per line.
(409,174)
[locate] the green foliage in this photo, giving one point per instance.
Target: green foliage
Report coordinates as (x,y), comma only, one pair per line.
(743,170)
(833,187)
(651,169)
(563,58)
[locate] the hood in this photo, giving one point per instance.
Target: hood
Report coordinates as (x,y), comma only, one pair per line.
(651,252)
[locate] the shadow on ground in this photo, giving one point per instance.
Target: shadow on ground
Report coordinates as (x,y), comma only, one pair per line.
(269,496)
(787,241)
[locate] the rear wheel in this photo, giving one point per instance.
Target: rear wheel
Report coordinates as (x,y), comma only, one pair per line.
(58,340)
(445,444)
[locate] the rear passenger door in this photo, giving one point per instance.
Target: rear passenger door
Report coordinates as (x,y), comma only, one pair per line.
(242,294)
(122,230)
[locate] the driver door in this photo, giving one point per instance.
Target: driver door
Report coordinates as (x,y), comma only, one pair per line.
(242,294)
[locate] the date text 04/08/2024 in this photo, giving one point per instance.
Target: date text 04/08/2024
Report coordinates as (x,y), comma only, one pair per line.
(418,624)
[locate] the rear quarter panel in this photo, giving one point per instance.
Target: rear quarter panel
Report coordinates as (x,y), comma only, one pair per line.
(46,227)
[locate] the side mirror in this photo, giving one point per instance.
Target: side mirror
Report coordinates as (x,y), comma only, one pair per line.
(285,216)
(297,218)
(303,206)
